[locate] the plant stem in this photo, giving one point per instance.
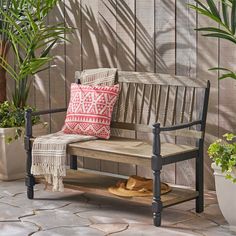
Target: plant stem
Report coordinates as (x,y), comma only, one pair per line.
(4,48)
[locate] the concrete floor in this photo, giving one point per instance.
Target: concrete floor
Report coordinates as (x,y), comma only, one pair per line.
(75,213)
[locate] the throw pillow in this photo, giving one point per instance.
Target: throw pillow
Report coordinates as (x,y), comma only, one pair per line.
(90,110)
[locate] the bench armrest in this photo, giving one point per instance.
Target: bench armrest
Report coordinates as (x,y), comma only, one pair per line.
(45,112)
(28,118)
(176,127)
(157,129)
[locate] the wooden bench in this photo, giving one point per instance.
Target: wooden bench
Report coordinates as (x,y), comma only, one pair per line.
(153,104)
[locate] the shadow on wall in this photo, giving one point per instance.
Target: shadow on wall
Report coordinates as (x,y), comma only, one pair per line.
(108,33)
(112,36)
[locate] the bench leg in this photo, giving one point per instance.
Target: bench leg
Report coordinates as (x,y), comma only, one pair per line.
(29,180)
(157,203)
(73,162)
(200,180)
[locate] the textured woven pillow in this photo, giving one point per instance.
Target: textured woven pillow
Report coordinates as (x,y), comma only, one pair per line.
(90,110)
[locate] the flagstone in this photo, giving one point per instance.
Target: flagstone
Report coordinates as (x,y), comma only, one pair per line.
(45,200)
(110,228)
(196,223)
(123,215)
(11,188)
(147,230)
(77,213)
(217,231)
(171,216)
(12,213)
(213,213)
(17,228)
(56,218)
(74,231)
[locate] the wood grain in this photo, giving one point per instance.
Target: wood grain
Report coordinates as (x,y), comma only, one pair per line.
(145,35)
(98,185)
(125,31)
(126,52)
(227,94)
(90,34)
(186,58)
(206,61)
(165,36)
(108,39)
(57,72)
(73,48)
(90,49)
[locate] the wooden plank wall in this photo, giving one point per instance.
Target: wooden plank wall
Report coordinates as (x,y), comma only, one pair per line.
(141,35)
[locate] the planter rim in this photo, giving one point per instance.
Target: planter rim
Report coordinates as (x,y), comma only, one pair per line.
(214,166)
(217,170)
(4,130)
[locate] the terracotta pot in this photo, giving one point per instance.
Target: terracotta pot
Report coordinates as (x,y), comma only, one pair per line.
(12,155)
(226,195)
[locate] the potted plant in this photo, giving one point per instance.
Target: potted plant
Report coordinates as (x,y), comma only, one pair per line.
(223,152)
(30,38)
(12,155)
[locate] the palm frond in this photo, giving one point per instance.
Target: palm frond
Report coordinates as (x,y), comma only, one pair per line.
(226,25)
(23,25)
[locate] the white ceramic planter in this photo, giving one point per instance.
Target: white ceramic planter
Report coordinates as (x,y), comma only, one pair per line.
(12,155)
(226,195)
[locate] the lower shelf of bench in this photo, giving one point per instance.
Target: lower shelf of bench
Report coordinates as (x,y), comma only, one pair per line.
(98,184)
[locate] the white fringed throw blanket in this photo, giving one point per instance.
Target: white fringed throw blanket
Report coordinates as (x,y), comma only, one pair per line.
(49,156)
(49,151)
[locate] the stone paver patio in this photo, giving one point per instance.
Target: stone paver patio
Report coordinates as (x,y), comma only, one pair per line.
(75,213)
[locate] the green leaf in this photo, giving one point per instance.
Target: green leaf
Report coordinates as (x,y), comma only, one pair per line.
(223,153)
(214,29)
(225,12)
(221,68)
(221,36)
(229,136)
(200,4)
(233,17)
(24,24)
(214,9)
(209,15)
(228,75)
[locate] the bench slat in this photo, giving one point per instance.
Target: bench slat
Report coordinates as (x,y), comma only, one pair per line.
(158,101)
(162,79)
(94,183)
(183,105)
(173,120)
(192,105)
(148,129)
(125,150)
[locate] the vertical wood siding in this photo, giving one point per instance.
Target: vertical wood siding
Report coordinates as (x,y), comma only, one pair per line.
(141,35)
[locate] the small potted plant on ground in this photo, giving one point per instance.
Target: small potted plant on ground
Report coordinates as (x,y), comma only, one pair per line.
(12,155)
(24,29)
(223,152)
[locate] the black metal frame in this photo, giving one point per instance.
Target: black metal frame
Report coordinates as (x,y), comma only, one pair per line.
(158,161)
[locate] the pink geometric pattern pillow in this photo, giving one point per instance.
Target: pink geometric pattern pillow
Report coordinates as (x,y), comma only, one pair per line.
(90,110)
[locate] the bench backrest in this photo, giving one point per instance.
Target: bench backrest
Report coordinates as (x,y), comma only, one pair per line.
(148,98)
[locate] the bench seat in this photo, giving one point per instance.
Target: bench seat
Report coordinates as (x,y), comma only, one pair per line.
(126,150)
